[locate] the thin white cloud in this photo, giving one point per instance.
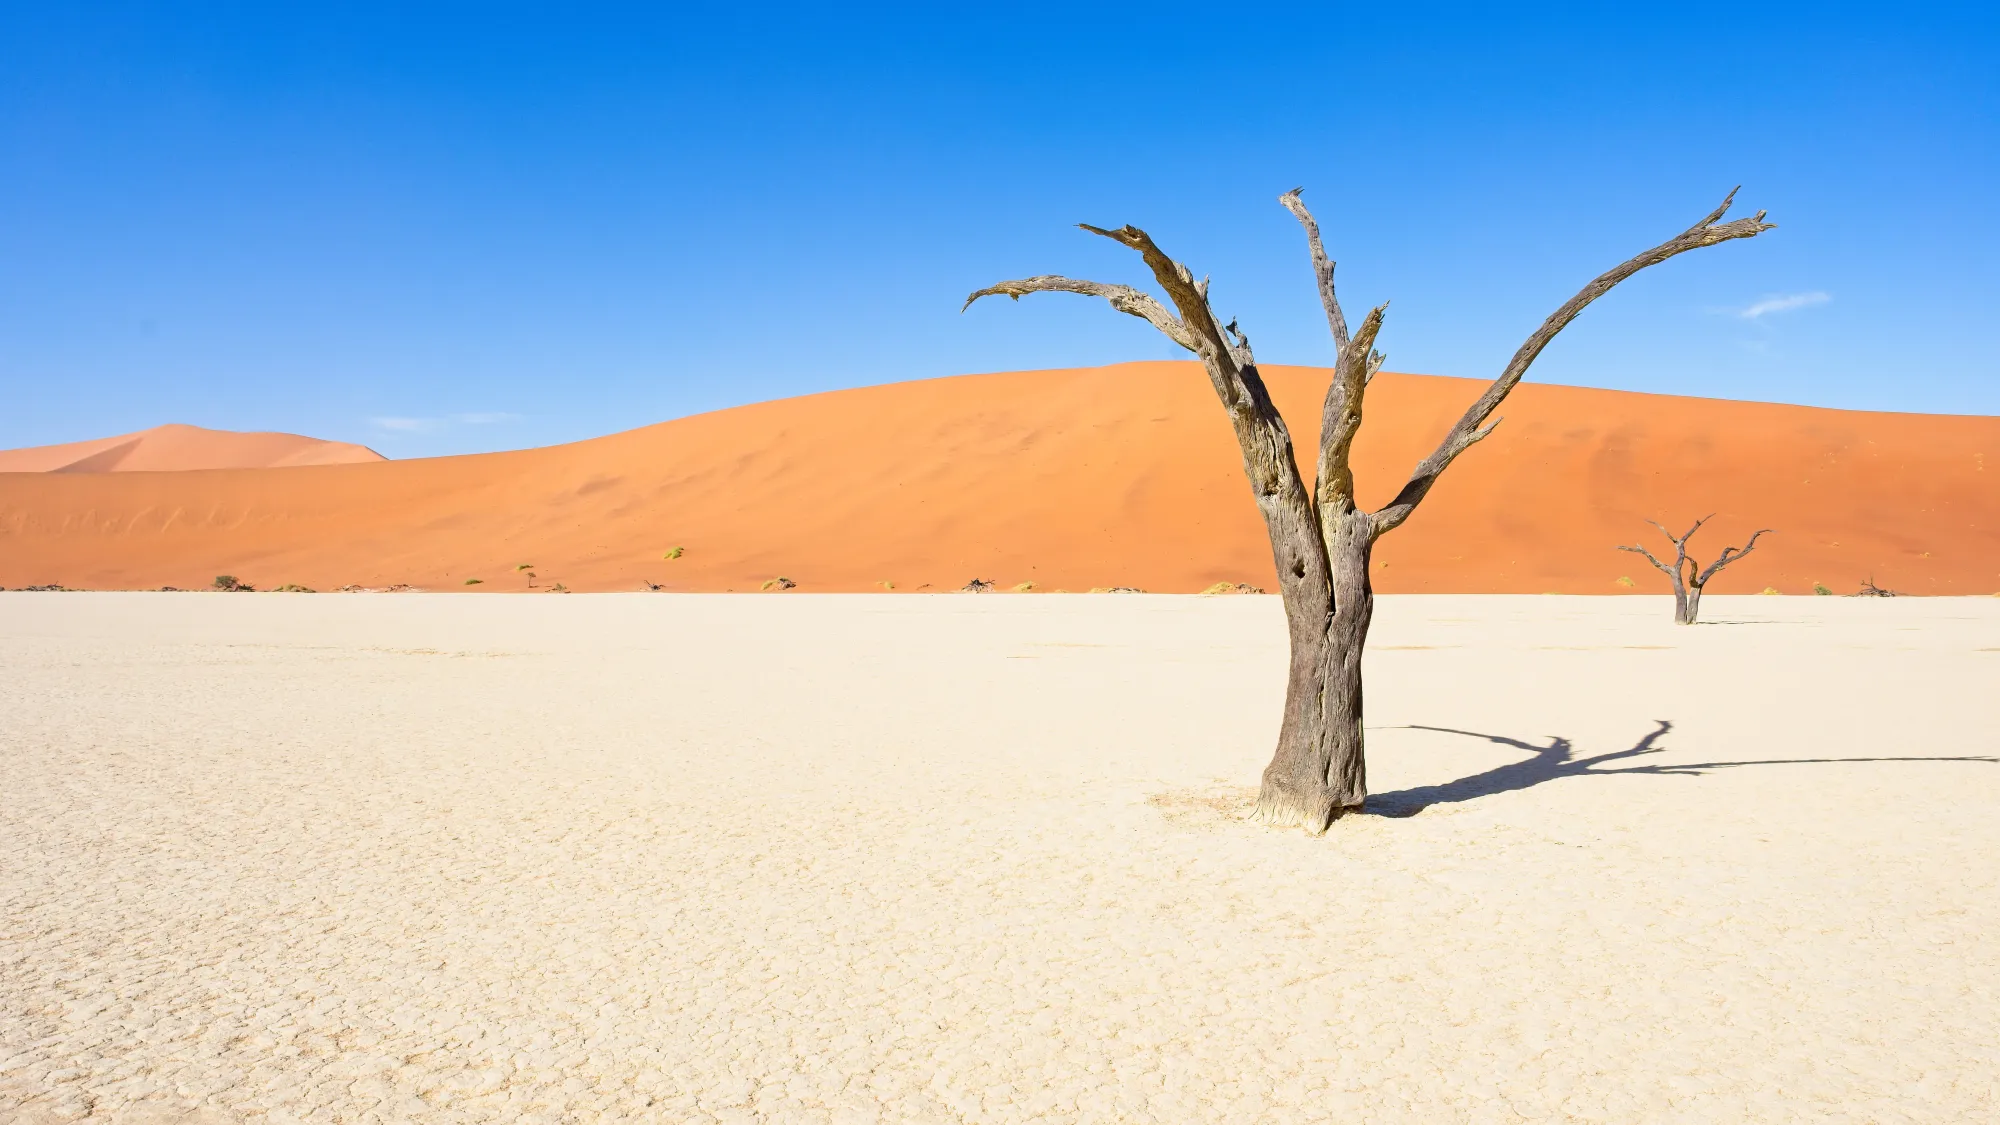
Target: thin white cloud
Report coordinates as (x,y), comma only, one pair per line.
(425,425)
(1784,303)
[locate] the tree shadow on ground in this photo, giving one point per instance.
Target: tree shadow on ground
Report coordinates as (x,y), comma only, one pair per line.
(1556,761)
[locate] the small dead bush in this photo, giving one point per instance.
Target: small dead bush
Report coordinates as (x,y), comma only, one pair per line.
(1233,588)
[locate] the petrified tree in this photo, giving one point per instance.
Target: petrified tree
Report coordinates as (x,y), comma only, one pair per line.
(1687,575)
(1321,540)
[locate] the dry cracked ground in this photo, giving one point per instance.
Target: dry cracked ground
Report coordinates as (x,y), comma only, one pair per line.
(358,858)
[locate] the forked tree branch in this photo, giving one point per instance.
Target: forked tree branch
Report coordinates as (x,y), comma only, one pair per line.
(1468,430)
(1683,569)
(1355,363)
(1261,435)
(1729,555)
(1340,420)
(1190,297)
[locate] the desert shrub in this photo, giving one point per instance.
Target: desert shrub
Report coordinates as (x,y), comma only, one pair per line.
(1821,590)
(674,553)
(777,583)
(559,588)
(1023,587)
(474,581)
(976,586)
(1625,580)
(1233,588)
(294,588)
(888,585)
(1770,589)
(228,582)
(518,567)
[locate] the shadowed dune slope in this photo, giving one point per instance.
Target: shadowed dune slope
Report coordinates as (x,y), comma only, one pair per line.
(176,447)
(1114,476)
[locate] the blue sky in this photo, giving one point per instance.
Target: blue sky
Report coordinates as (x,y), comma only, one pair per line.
(445,228)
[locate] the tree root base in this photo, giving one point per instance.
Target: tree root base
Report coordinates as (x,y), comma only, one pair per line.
(1289,810)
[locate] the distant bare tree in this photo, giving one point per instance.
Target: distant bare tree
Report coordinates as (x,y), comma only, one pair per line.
(1321,540)
(1687,575)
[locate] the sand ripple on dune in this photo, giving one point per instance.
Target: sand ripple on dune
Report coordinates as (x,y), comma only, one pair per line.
(978,860)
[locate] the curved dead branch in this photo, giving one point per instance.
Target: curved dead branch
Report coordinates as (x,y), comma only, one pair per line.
(1124,298)
(1663,568)
(1468,430)
(1729,555)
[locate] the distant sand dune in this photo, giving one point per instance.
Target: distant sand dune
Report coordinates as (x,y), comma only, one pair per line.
(1072,480)
(176,447)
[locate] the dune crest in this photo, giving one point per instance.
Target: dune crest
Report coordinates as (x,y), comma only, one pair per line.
(175,447)
(1120,476)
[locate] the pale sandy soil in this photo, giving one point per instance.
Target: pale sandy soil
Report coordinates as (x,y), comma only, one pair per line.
(785,858)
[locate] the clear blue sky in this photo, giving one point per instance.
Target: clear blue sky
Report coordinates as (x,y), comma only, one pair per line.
(441,228)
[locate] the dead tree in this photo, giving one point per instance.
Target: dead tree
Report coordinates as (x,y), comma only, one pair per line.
(1320,539)
(1687,575)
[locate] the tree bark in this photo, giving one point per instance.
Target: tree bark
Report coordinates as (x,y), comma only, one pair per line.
(1353,544)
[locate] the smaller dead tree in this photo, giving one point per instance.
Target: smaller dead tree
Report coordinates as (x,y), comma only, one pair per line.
(1687,575)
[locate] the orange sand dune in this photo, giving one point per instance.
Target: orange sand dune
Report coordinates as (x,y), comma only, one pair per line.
(1114,476)
(176,447)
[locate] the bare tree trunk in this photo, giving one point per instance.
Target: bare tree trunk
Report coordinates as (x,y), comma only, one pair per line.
(1354,609)
(1320,768)
(1690,606)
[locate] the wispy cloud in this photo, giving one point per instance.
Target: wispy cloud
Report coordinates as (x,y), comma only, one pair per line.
(426,425)
(1785,302)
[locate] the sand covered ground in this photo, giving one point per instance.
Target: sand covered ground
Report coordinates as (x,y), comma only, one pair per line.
(1097,477)
(976,859)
